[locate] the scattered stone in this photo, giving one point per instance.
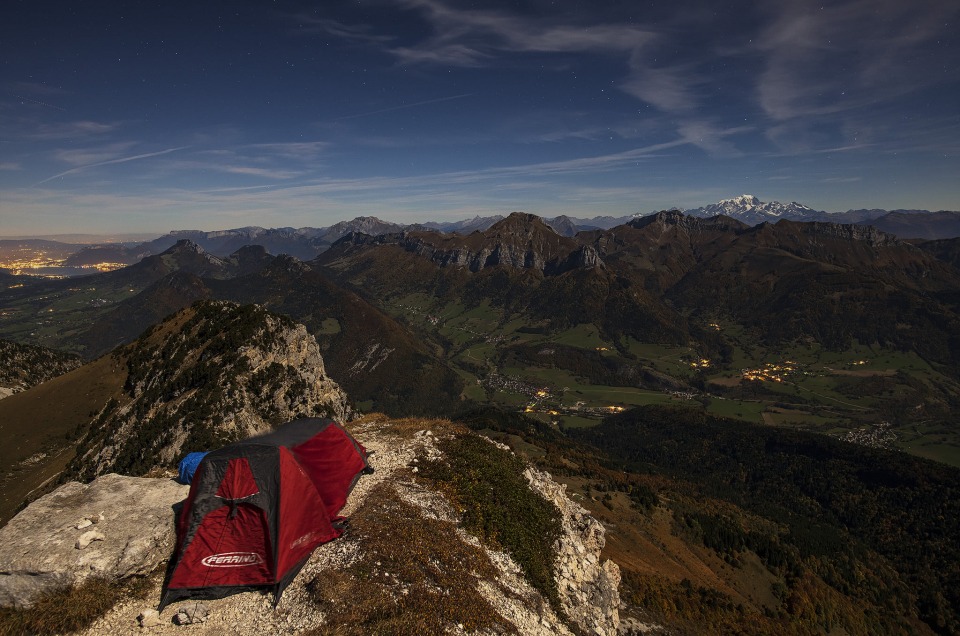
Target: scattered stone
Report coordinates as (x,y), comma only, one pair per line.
(190,614)
(87,538)
(633,627)
(86,523)
(588,589)
(149,618)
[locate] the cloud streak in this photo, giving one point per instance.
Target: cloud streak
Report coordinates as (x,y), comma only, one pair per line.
(823,59)
(110,162)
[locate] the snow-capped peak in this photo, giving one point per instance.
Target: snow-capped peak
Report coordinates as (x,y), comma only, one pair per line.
(744,200)
(751,210)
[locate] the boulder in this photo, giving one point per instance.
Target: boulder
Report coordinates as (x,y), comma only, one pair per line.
(42,548)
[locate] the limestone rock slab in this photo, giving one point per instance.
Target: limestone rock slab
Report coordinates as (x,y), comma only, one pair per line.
(40,548)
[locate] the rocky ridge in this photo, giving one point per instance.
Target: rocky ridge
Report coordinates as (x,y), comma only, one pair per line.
(587,584)
(208,375)
(84,530)
(521,241)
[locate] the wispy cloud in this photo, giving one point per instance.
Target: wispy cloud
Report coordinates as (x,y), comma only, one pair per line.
(110,162)
(712,139)
(491,38)
(266,173)
(485,37)
(93,155)
(308,24)
(9,165)
(479,34)
(303,150)
(671,89)
(72,130)
(827,58)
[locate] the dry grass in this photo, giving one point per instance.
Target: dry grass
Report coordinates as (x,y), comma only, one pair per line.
(71,609)
(45,420)
(415,576)
(407,427)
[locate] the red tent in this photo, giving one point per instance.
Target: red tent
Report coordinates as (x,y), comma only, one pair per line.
(258,508)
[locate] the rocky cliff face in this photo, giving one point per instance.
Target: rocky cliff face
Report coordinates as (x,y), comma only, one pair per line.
(866,233)
(208,375)
(588,586)
(688,225)
(521,241)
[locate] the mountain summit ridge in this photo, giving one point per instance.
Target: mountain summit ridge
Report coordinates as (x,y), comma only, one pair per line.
(211,374)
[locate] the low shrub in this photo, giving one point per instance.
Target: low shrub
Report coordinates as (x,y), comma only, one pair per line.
(487,486)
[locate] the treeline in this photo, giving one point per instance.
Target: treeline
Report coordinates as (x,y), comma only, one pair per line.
(858,539)
(834,308)
(874,524)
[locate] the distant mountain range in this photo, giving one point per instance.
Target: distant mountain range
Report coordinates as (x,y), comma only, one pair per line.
(749,209)
(646,279)
(306,243)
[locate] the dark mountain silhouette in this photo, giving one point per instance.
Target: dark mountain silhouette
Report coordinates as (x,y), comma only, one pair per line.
(656,279)
(183,256)
(947,250)
(357,339)
(930,225)
(114,253)
(373,357)
(128,319)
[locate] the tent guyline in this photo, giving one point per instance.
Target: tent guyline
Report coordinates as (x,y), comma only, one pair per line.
(259,507)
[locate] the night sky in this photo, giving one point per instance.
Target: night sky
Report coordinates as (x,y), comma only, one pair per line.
(153,116)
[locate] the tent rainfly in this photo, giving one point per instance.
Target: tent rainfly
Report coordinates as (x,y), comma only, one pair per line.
(258,508)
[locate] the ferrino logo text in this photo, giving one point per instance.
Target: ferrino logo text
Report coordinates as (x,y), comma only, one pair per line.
(232,560)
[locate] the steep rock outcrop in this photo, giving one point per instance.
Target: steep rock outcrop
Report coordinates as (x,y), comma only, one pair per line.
(867,233)
(687,225)
(589,587)
(521,241)
(209,375)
